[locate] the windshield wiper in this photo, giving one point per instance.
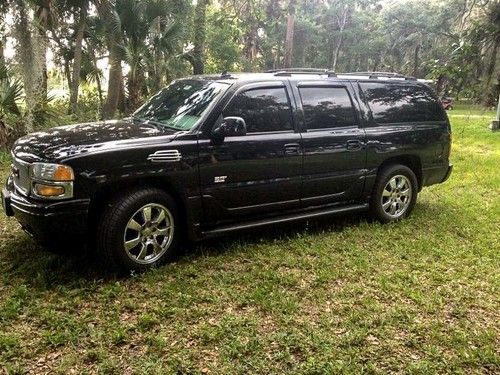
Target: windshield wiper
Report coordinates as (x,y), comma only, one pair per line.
(139,119)
(159,123)
(153,122)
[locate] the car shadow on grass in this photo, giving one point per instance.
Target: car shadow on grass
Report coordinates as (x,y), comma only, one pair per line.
(26,262)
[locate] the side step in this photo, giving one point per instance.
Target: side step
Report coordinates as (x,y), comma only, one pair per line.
(284,219)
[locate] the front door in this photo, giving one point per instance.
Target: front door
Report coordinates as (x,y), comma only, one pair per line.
(246,176)
(333,145)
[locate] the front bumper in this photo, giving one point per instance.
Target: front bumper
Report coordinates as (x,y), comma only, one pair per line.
(48,222)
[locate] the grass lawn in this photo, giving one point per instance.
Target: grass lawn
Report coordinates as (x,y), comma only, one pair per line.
(344,295)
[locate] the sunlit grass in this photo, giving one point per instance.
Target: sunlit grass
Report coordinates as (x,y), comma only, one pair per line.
(344,295)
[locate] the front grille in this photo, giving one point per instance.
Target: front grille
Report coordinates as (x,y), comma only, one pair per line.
(21,176)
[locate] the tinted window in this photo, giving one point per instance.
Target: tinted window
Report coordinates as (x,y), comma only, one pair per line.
(392,103)
(326,107)
(263,110)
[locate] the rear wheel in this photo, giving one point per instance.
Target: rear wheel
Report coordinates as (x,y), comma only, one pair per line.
(394,194)
(139,230)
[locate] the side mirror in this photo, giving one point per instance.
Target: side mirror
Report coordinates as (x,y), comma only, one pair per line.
(229,127)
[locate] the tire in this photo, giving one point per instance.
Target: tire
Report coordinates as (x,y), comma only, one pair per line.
(138,230)
(394,194)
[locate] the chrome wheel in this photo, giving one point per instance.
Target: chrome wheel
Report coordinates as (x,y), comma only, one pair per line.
(148,233)
(396,196)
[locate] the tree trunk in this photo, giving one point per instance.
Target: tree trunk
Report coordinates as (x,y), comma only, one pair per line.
(30,52)
(134,89)
(2,57)
(250,48)
(114,83)
(199,37)
(342,22)
(98,81)
(337,52)
(41,40)
(416,61)
(67,72)
(77,61)
(250,37)
(122,98)
(290,25)
(490,69)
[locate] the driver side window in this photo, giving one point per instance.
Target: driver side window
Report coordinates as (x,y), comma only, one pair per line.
(263,109)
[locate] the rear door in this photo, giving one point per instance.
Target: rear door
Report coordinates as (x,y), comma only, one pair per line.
(333,143)
(246,176)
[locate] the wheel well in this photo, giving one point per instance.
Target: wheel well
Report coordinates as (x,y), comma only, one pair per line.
(107,192)
(411,161)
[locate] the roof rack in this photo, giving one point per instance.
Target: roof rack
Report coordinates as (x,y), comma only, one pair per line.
(289,71)
(376,75)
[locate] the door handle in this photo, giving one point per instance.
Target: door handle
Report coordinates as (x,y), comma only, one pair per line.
(353,145)
(292,148)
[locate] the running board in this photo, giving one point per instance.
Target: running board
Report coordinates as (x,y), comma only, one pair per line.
(284,219)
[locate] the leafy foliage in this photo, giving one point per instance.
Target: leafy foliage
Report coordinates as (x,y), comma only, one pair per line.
(148,43)
(10,93)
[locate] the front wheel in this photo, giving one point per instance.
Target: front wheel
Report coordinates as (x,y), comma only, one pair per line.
(394,194)
(138,230)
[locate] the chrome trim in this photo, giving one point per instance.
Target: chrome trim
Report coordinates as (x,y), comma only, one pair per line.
(68,189)
(165,156)
(22,182)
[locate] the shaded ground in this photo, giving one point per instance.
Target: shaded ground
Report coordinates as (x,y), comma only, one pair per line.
(343,295)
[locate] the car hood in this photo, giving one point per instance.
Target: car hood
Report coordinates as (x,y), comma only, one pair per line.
(64,142)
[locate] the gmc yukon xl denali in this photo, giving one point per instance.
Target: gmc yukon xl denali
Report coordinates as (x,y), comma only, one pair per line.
(209,155)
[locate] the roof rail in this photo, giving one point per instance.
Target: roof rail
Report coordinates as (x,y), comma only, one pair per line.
(375,75)
(298,70)
(290,71)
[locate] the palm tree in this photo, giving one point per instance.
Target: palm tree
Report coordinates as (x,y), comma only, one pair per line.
(143,34)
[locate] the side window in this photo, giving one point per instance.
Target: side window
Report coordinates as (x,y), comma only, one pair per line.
(327,107)
(396,103)
(263,109)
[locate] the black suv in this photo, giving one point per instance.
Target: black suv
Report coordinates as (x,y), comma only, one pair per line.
(209,155)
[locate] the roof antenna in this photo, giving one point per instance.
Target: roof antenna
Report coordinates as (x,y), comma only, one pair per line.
(225,74)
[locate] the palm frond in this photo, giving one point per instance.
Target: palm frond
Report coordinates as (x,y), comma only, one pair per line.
(10,94)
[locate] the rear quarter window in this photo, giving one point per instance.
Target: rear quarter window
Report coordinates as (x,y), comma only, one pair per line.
(397,103)
(327,107)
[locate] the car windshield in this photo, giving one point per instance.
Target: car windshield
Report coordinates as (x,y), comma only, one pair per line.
(181,104)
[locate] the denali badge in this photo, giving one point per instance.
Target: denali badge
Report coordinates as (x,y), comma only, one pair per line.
(219,179)
(14,170)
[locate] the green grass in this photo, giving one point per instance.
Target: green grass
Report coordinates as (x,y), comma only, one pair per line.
(343,295)
(466,110)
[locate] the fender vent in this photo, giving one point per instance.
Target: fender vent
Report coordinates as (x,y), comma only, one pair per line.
(165,156)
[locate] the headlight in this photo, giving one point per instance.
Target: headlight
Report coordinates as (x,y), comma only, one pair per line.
(52,172)
(52,181)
